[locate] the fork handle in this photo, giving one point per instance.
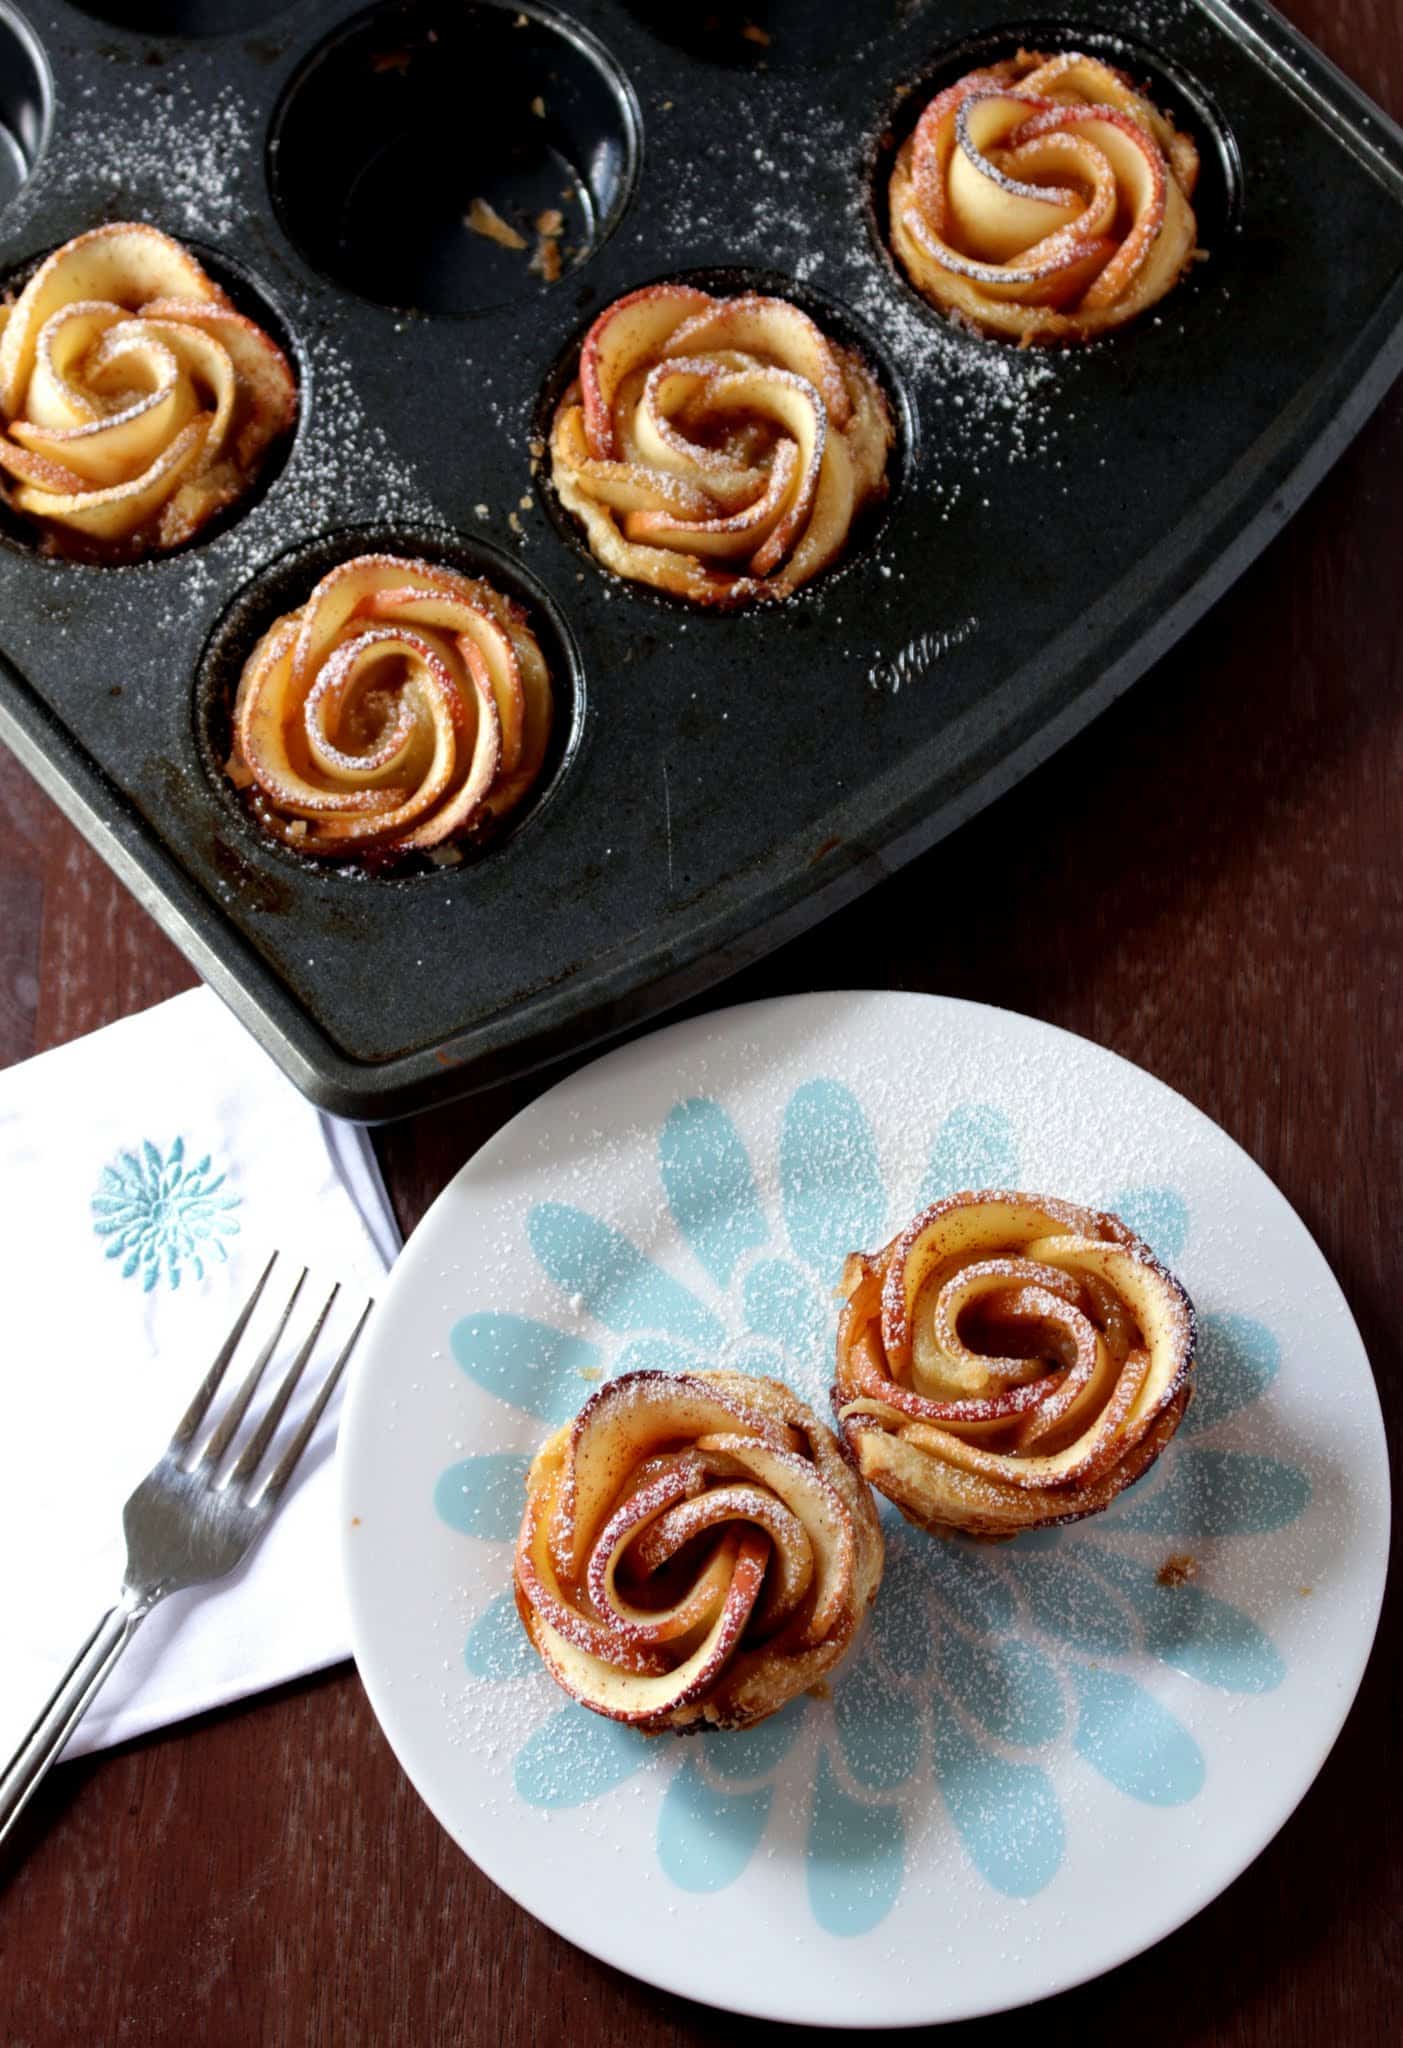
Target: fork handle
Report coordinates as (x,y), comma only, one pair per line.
(69,1701)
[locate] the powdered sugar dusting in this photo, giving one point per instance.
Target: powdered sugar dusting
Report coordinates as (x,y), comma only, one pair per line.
(181,157)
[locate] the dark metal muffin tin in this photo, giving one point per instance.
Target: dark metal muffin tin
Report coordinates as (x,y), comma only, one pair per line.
(718,782)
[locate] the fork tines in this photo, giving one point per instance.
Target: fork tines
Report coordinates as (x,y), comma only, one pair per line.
(241,1474)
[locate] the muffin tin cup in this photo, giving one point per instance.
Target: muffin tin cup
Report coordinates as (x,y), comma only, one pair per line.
(24,103)
(251,297)
(1056,519)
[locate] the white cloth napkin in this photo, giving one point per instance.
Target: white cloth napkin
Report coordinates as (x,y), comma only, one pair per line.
(146,1175)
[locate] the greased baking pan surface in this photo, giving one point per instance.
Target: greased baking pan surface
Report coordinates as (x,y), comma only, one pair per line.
(1056,518)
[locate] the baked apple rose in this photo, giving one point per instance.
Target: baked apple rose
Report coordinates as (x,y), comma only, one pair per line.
(1044,199)
(696,1550)
(1009,1362)
(718,449)
(403,706)
(135,400)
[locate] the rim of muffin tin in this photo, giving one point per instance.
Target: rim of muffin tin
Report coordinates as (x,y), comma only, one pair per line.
(1173,88)
(287,581)
(403,17)
(152,18)
(21,42)
(22,536)
(718,38)
(838,322)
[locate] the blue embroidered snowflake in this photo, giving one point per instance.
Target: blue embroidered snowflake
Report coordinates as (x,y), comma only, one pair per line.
(161,1216)
(981,1664)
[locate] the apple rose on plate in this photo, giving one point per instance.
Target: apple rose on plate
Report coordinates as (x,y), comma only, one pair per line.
(718,448)
(696,1550)
(1009,1362)
(136,401)
(1044,199)
(401,709)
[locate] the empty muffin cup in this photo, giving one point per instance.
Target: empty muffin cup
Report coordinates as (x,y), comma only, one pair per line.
(453,159)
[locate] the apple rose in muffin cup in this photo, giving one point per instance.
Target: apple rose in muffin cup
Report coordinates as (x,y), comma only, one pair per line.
(136,401)
(718,449)
(1010,1362)
(696,1551)
(401,709)
(1043,199)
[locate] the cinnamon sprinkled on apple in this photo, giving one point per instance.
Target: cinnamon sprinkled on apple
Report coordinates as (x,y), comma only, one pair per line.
(695,1551)
(1044,199)
(718,449)
(1010,1362)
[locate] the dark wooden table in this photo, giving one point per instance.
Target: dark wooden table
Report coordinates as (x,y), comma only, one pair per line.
(1211,883)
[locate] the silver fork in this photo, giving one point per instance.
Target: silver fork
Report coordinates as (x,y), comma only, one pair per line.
(185,1525)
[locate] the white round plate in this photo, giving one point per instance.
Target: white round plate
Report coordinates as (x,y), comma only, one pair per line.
(1039,1758)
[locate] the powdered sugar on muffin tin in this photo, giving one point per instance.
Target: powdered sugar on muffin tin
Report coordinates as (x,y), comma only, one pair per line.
(157,144)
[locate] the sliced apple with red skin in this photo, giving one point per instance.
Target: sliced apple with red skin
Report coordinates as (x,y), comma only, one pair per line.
(55,478)
(933,139)
(114,512)
(540,1595)
(776,332)
(796,1482)
(118,344)
(119,448)
(1006,231)
(725,539)
(956,1230)
(346,812)
(948,1501)
(706,1519)
(1078,77)
(644,1533)
(630,486)
(617,1429)
(644,1701)
(635,329)
(1016,219)
(791,1569)
(126,264)
(1139,170)
(684,449)
(1085,1298)
(267,384)
(766,529)
(468,624)
(451,666)
(56,395)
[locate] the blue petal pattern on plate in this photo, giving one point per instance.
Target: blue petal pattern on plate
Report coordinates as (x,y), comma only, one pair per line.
(710,1188)
(1159,1215)
(483,1496)
(855,1857)
(1133,1741)
(577,1756)
(1006,1813)
(623,1289)
(981,1666)
(706,1837)
(1216,1493)
(975,1148)
(528,1364)
(497,1645)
